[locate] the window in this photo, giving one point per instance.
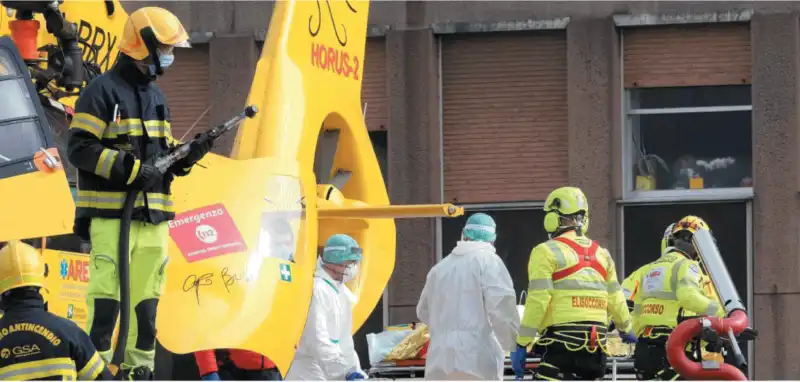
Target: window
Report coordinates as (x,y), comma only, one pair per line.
(380,145)
(21,127)
(8,66)
(689,138)
(518,231)
(21,134)
(282,219)
(644,226)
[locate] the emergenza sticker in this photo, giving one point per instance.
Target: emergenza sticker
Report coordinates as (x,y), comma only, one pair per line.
(206,232)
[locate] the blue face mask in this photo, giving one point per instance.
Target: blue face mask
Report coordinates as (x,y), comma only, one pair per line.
(165,59)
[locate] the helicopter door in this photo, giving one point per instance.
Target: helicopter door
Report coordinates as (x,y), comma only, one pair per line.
(35,199)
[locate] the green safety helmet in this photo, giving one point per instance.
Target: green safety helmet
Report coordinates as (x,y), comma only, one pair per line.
(565,202)
(340,248)
(480,227)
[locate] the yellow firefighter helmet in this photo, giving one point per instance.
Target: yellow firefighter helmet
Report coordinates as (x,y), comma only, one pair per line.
(148,26)
(20,265)
(565,201)
(690,223)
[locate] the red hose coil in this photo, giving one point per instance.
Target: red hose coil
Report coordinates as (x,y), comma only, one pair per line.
(687,330)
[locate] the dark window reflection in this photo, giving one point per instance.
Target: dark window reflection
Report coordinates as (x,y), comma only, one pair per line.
(697,150)
(691,96)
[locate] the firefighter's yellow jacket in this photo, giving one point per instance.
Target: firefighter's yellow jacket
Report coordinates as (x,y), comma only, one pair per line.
(567,286)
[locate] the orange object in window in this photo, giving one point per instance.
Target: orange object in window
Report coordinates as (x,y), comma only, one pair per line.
(696,183)
(24,33)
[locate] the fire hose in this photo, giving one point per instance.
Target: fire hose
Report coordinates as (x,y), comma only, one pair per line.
(163,164)
(712,329)
(735,324)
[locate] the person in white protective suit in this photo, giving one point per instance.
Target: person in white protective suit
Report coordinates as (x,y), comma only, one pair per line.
(469,305)
(326,349)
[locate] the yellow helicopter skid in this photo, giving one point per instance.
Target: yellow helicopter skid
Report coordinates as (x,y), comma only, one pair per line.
(391,212)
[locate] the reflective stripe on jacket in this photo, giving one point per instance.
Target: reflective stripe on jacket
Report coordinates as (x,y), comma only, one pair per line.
(559,293)
(666,285)
(121,119)
(38,345)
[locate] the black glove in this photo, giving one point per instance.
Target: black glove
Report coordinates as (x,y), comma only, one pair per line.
(148,176)
(198,150)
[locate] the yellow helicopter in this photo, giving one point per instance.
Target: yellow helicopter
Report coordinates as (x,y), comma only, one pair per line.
(304,162)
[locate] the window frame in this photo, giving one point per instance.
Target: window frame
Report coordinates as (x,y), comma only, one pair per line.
(23,165)
(631,195)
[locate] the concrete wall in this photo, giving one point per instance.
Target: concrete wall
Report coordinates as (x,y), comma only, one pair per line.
(253,16)
(594,126)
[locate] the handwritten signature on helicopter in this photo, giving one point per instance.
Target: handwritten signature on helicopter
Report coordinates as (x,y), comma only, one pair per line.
(330,58)
(194,282)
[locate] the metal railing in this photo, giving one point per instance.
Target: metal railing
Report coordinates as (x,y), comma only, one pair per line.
(619,369)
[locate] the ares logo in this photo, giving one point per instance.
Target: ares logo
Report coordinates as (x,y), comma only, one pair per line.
(75,270)
(206,233)
(25,350)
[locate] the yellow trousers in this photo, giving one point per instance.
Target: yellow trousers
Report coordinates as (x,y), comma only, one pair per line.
(147,265)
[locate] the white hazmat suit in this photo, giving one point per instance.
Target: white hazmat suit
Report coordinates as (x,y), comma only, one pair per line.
(469,305)
(326,349)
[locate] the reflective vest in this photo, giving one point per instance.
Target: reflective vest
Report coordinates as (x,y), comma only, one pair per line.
(572,279)
(120,119)
(587,258)
(671,283)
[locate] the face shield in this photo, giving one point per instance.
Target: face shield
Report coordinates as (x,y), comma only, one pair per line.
(344,264)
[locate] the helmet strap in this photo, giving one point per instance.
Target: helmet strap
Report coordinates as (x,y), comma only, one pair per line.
(151,42)
(333,271)
(577,227)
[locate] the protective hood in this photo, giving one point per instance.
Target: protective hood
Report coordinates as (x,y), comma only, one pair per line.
(323,274)
(467,247)
(340,286)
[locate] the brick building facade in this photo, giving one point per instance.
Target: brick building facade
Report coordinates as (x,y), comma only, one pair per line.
(493,104)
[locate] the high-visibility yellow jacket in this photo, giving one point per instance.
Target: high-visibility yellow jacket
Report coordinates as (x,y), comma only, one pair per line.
(668,284)
(630,286)
(571,279)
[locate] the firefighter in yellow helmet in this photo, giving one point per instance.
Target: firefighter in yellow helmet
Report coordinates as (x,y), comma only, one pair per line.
(572,287)
(121,124)
(668,286)
(34,343)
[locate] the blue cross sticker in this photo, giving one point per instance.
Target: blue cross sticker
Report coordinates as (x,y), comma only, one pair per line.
(286,272)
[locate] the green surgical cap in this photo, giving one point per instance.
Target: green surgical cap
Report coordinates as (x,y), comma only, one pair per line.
(480,227)
(340,248)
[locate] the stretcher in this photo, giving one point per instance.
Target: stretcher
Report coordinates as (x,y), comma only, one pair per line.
(407,358)
(619,369)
